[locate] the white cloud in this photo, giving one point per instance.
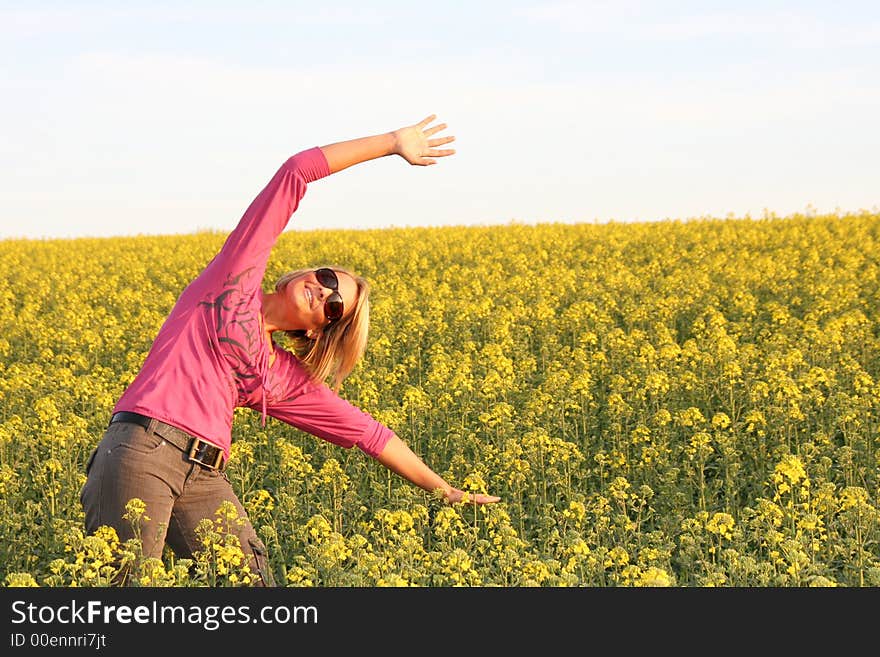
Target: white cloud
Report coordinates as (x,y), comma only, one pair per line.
(32,22)
(639,21)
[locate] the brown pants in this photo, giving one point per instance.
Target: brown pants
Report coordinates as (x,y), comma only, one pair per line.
(130,462)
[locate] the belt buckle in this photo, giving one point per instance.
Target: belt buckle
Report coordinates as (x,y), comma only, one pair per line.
(198,450)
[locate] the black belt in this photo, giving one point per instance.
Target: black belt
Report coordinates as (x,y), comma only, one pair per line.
(196,449)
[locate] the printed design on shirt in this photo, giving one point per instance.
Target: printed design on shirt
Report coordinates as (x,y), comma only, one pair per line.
(234,313)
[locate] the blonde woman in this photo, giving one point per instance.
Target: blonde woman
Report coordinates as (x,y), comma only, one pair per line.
(168,439)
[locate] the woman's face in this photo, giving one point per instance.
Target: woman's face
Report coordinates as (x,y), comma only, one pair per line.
(305,298)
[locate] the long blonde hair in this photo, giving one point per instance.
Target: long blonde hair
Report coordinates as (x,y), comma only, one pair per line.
(339,346)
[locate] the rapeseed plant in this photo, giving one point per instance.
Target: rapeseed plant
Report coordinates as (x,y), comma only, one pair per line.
(688,404)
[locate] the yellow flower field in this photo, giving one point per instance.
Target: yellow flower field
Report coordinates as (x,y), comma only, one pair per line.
(675,403)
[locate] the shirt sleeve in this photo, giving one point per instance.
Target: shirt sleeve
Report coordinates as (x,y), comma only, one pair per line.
(322,413)
(268,214)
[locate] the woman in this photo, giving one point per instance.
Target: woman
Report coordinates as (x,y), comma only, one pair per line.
(169,436)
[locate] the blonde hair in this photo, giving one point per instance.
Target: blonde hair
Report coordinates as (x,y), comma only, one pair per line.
(341,344)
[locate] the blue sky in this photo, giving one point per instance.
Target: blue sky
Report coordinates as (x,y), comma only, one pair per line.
(169,117)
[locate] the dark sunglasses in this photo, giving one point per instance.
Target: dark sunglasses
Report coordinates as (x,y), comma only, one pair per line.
(333,307)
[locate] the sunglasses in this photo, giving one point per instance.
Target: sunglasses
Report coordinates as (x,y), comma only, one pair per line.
(333,307)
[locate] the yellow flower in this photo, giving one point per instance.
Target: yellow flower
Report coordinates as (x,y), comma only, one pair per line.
(720,421)
(789,471)
(318,527)
(13,580)
(721,524)
(852,497)
(297,576)
(656,577)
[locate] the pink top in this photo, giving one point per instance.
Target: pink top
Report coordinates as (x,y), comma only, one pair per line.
(211,355)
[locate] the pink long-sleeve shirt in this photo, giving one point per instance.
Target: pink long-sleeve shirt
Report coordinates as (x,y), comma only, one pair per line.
(211,354)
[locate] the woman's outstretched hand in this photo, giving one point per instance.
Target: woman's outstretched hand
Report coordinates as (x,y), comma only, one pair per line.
(399,458)
(413,143)
(455,495)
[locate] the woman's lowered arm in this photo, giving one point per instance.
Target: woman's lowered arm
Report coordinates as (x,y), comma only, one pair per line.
(400,459)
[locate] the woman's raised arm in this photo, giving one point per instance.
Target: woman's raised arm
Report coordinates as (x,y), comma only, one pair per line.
(413,143)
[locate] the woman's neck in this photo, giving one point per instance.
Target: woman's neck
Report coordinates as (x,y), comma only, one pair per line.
(270,316)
